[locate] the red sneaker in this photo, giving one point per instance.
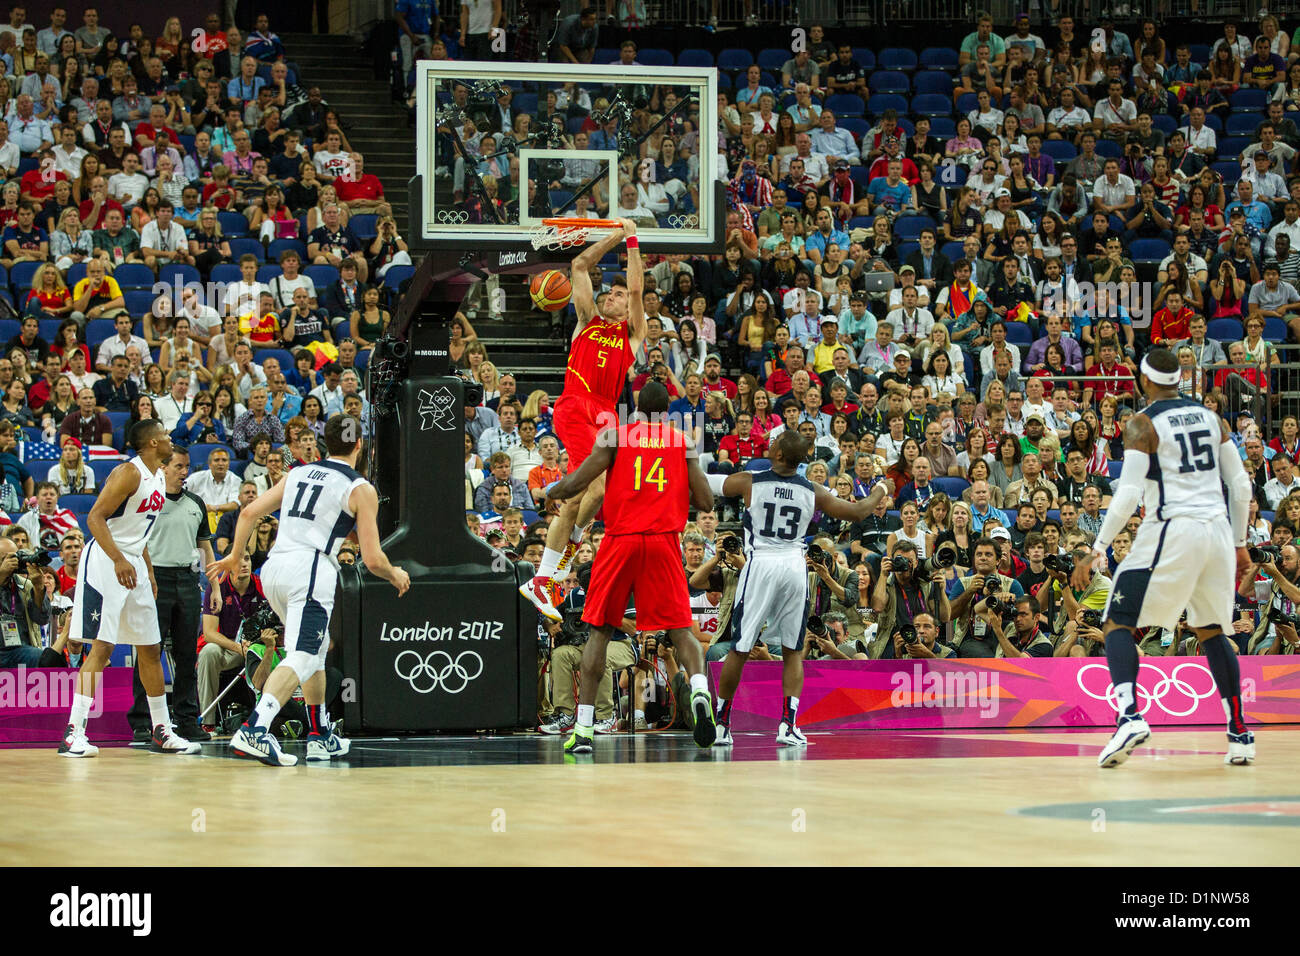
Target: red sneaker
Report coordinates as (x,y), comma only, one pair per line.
(541,591)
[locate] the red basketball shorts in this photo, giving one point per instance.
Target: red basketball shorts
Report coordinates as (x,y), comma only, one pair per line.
(577,420)
(647,566)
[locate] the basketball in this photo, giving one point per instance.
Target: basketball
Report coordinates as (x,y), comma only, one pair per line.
(550,290)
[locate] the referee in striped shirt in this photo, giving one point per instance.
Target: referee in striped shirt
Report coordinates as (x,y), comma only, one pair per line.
(182,526)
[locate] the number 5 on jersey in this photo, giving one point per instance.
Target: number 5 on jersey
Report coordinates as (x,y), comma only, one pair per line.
(654,474)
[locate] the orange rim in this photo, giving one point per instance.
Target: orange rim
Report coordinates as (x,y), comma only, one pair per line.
(573,222)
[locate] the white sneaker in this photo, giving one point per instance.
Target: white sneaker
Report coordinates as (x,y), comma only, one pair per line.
(75,744)
(561,724)
(607,726)
(165,740)
(539,590)
(790,736)
(641,723)
(263,747)
(1241,749)
(327,748)
(723,738)
(1128,736)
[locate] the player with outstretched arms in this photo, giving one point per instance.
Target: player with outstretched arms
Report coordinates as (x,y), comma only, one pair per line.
(1190,549)
(602,351)
(772,593)
(320,504)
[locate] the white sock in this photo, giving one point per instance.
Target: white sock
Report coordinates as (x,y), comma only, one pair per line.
(1124,696)
(718,704)
(586,716)
(550,563)
(640,715)
(266,710)
(576,535)
(158,711)
(699,682)
(80,711)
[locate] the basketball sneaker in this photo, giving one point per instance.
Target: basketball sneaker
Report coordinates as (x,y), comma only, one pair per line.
(75,744)
(723,738)
(327,748)
(705,730)
(541,591)
(562,723)
(578,744)
(247,743)
(790,736)
(1129,735)
(570,549)
(607,726)
(1241,749)
(165,740)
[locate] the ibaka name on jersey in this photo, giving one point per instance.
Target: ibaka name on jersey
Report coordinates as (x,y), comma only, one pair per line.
(153,503)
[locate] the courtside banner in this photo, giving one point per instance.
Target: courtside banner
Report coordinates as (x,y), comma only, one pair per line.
(35,703)
(996,692)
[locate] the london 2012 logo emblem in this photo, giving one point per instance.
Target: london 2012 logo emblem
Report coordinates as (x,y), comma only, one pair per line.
(427,673)
(437,409)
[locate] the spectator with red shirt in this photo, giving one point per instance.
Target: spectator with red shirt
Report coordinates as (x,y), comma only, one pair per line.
(146,133)
(219,192)
(69,554)
(893,149)
(37,185)
(1172,323)
(1118,379)
(94,210)
(839,393)
(360,191)
(262,325)
(741,446)
(713,380)
(211,40)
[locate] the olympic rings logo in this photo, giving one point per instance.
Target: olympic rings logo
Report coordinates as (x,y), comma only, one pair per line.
(689,221)
(1173,682)
(453,217)
(453,676)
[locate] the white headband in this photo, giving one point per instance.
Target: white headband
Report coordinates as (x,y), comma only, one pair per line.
(1159,378)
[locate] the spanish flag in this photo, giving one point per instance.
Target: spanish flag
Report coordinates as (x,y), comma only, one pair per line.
(959,300)
(1022,313)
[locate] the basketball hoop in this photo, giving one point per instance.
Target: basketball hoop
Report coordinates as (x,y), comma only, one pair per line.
(567,232)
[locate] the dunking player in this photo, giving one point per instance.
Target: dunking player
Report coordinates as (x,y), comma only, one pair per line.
(114,602)
(1177,457)
(602,351)
(652,482)
(325,500)
(772,593)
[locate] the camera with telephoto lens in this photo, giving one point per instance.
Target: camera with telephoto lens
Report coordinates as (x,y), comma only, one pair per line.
(1092,618)
(901,565)
(908,633)
(1058,562)
(37,556)
(816,626)
(262,619)
(1265,554)
(731,544)
(818,555)
(945,556)
(1277,616)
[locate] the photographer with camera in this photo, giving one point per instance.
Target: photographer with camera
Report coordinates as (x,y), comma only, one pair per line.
(832,587)
(1029,640)
(568,636)
(262,635)
(827,638)
(24,605)
(972,636)
(1277,594)
(906,587)
(721,573)
(920,639)
(237,599)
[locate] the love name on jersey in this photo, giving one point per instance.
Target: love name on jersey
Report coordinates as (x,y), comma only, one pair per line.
(153,503)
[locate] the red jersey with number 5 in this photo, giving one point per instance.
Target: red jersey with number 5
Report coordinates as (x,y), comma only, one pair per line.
(598,362)
(647,490)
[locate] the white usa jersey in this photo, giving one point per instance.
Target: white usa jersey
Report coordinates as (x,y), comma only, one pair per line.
(315,515)
(781,508)
(133,520)
(1183,477)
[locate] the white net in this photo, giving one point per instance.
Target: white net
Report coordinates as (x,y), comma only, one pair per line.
(546,236)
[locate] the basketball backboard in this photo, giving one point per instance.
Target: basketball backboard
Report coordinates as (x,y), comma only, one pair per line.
(588,148)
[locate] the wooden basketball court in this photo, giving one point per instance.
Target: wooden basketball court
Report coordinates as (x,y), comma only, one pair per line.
(927,797)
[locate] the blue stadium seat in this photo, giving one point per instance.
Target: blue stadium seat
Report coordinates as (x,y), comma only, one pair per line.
(859,176)
(771,80)
(1200,53)
(280,246)
(952,250)
(1229,169)
(396,275)
(76,272)
(724,81)
(909,227)
(102,469)
(966,102)
(226,272)
(1274,329)
(1061,150)
(861,222)
(933,81)
(174,274)
(97,330)
(38,468)
(233,224)
(1231,147)
(199,454)
(363,226)
(1114,468)
(773,58)
(1148,250)
(879,102)
(865,56)
(321,276)
(940,58)
(905,249)
(858,127)
(897,58)
(1018,333)
(268,272)
(1241,124)
(133,275)
(49,329)
(138,301)
(931,104)
(943,127)
(283,356)
(889,81)
(237,466)
(694,56)
(1164,122)
(21,275)
(1255,100)
(733,60)
(604,54)
(247,247)
(758,464)
(1109,148)
(78,503)
(1225,330)
(524,103)
(119,437)
(654,56)
(118,418)
(845,104)
(1214,123)
(952,487)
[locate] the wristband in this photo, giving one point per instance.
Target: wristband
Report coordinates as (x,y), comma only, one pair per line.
(632,243)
